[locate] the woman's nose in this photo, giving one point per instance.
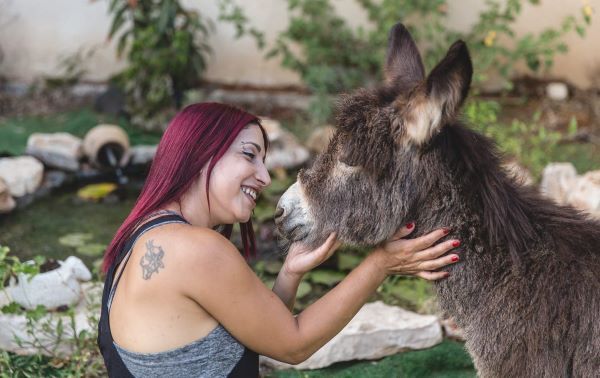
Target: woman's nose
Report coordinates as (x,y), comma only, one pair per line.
(263,175)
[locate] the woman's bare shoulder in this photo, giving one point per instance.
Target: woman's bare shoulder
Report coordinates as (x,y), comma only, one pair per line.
(192,245)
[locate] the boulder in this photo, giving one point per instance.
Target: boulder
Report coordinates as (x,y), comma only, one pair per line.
(319,139)
(378,330)
(36,340)
(142,154)
(7,203)
(53,289)
(21,174)
(452,330)
(585,193)
(284,149)
(520,173)
(557,179)
(58,150)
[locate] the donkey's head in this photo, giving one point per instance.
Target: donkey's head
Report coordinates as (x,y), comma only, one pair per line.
(370,178)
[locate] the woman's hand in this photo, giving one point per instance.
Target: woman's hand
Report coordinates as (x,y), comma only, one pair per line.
(416,257)
(301,259)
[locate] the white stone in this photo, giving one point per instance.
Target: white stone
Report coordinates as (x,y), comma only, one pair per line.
(319,139)
(58,287)
(585,193)
(557,179)
(557,91)
(452,330)
(15,326)
(520,173)
(284,149)
(142,154)
(378,330)
(59,150)
(22,174)
(7,203)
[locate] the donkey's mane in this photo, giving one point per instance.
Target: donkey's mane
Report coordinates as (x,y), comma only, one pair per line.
(514,216)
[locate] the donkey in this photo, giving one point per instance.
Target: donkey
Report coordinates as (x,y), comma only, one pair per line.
(527,289)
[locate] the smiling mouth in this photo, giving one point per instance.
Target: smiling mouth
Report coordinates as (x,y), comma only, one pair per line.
(250,193)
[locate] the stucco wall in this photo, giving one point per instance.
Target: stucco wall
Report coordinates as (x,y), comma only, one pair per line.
(35,34)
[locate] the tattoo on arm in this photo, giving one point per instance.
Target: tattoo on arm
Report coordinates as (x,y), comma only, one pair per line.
(152,260)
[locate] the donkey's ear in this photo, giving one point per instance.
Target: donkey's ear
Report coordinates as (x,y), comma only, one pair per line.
(449,82)
(403,68)
(443,93)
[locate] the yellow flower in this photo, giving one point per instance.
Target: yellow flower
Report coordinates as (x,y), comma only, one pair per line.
(587,10)
(489,38)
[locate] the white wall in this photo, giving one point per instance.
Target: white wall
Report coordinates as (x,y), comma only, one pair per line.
(35,34)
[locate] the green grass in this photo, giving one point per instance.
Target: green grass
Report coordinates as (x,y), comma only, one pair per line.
(446,360)
(15,131)
(35,230)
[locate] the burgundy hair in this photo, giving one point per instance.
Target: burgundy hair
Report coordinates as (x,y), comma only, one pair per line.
(197,135)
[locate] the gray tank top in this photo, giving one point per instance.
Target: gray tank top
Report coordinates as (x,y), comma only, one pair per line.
(214,355)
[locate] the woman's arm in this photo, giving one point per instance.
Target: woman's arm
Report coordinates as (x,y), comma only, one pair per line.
(286,287)
(299,261)
(219,279)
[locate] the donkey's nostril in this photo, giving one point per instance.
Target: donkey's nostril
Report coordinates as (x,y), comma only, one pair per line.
(278,212)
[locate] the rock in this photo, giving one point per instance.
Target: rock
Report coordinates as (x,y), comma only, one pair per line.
(7,203)
(378,330)
(557,91)
(452,330)
(101,140)
(284,149)
(21,174)
(142,154)
(520,173)
(319,139)
(13,326)
(58,287)
(557,178)
(561,183)
(585,193)
(59,150)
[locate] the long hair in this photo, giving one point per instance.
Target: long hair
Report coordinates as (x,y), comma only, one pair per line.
(198,136)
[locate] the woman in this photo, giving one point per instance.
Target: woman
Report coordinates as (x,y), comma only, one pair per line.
(182,300)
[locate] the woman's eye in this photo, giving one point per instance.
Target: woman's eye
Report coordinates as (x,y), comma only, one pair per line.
(250,155)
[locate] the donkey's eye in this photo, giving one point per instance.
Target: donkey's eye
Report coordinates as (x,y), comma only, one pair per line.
(347,168)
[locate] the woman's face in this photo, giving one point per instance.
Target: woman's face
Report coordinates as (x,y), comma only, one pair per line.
(238,178)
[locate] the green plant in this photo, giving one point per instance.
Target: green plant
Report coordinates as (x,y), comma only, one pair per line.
(166,49)
(529,142)
(72,67)
(333,57)
(50,332)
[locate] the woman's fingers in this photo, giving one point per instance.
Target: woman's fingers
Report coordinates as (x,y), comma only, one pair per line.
(438,263)
(428,240)
(437,250)
(404,231)
(328,247)
(432,276)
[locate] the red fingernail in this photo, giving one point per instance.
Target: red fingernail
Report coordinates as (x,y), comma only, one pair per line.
(455,243)
(447,274)
(410,225)
(455,258)
(446,230)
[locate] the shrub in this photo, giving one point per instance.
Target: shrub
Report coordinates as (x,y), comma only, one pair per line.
(334,57)
(166,47)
